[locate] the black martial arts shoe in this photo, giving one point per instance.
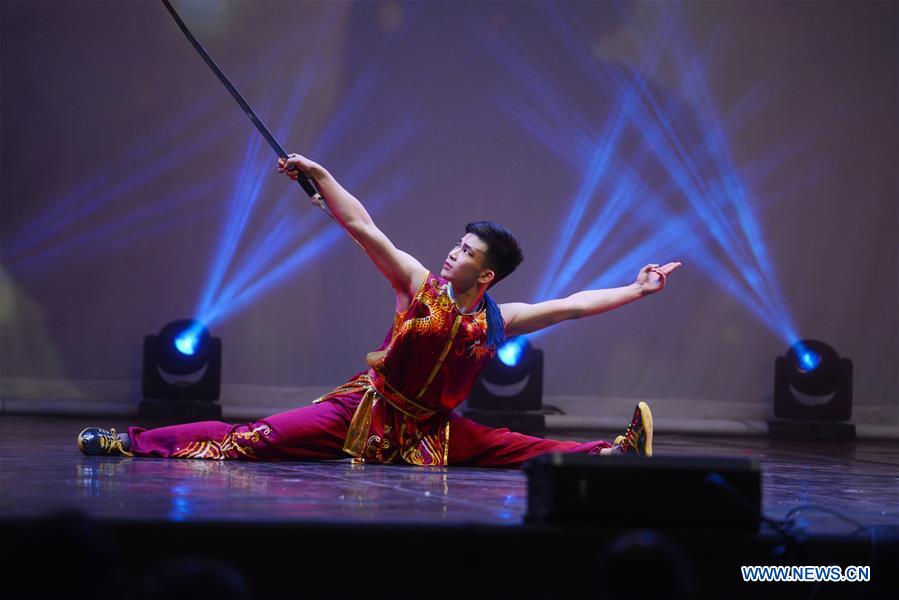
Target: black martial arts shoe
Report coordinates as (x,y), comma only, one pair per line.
(94,441)
(638,437)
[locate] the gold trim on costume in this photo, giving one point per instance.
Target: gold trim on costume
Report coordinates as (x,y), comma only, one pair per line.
(446,443)
(212,450)
(395,398)
(357,433)
(420,288)
(353,385)
(446,349)
(364,444)
(375,358)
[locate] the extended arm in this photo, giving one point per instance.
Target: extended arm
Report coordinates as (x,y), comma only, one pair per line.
(403,271)
(522,318)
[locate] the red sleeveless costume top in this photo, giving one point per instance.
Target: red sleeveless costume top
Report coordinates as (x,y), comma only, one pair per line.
(426,366)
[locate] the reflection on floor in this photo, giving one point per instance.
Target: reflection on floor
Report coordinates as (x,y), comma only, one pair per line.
(255,517)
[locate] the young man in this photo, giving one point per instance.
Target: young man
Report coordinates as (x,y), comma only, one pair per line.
(445,331)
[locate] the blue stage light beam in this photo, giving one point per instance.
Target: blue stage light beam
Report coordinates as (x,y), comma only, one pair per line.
(658,132)
(299,93)
(155,155)
(685,235)
(243,200)
(145,222)
(693,78)
(541,91)
(674,238)
(569,34)
(300,258)
(175,211)
(279,233)
(627,174)
(612,212)
(348,111)
(602,152)
(137,178)
(63,215)
(119,179)
(688,177)
(691,184)
(247,194)
(275,238)
(735,191)
(735,195)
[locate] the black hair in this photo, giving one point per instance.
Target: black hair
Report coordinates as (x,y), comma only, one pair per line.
(503,252)
(503,256)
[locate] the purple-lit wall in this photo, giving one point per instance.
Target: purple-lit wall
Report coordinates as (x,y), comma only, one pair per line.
(106,106)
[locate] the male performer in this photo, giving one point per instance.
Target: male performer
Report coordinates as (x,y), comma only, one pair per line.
(445,331)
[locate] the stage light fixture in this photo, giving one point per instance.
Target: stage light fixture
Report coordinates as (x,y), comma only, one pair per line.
(510,391)
(812,393)
(510,352)
(181,373)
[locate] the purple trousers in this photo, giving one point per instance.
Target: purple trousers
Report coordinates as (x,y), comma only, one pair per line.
(318,432)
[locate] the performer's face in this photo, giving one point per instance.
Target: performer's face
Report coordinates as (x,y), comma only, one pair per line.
(466,263)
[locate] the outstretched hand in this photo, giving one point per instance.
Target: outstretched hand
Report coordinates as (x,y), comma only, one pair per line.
(652,278)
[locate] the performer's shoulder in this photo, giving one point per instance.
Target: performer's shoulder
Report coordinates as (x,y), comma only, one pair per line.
(432,281)
(434,284)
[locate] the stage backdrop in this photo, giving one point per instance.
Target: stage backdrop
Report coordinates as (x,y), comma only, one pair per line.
(756,142)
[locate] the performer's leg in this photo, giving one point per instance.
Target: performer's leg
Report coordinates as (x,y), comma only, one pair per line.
(474,444)
(311,432)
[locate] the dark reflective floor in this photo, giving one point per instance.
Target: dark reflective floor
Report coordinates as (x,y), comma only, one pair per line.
(41,472)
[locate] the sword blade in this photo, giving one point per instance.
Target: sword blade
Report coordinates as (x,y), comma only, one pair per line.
(247,109)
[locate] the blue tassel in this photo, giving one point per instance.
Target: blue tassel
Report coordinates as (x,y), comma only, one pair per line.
(496,331)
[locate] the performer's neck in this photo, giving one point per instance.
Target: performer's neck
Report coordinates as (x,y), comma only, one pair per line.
(468,300)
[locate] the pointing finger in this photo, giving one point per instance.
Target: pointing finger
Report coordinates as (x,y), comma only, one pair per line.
(671,267)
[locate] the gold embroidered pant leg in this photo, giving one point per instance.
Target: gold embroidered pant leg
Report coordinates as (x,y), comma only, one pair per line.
(314,432)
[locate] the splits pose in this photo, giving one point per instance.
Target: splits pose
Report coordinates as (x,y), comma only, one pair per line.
(400,410)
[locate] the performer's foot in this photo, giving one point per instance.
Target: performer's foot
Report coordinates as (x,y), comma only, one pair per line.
(94,441)
(638,437)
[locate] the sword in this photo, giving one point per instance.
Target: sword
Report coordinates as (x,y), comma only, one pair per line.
(304,181)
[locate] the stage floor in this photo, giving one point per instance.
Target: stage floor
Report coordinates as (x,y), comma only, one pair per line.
(42,472)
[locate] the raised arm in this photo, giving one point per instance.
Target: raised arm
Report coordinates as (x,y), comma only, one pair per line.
(522,318)
(403,271)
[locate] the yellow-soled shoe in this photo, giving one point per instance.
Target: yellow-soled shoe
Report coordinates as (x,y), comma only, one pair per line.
(638,437)
(95,441)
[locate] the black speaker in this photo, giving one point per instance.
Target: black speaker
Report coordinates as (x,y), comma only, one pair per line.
(662,492)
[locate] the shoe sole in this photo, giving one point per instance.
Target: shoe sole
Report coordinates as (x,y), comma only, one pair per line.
(80,445)
(646,418)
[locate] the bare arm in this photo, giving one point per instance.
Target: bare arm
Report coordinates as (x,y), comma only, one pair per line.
(522,318)
(403,271)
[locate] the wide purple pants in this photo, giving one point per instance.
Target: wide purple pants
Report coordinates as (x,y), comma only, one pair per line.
(317,432)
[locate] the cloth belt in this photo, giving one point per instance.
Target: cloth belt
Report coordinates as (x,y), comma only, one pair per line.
(372,388)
